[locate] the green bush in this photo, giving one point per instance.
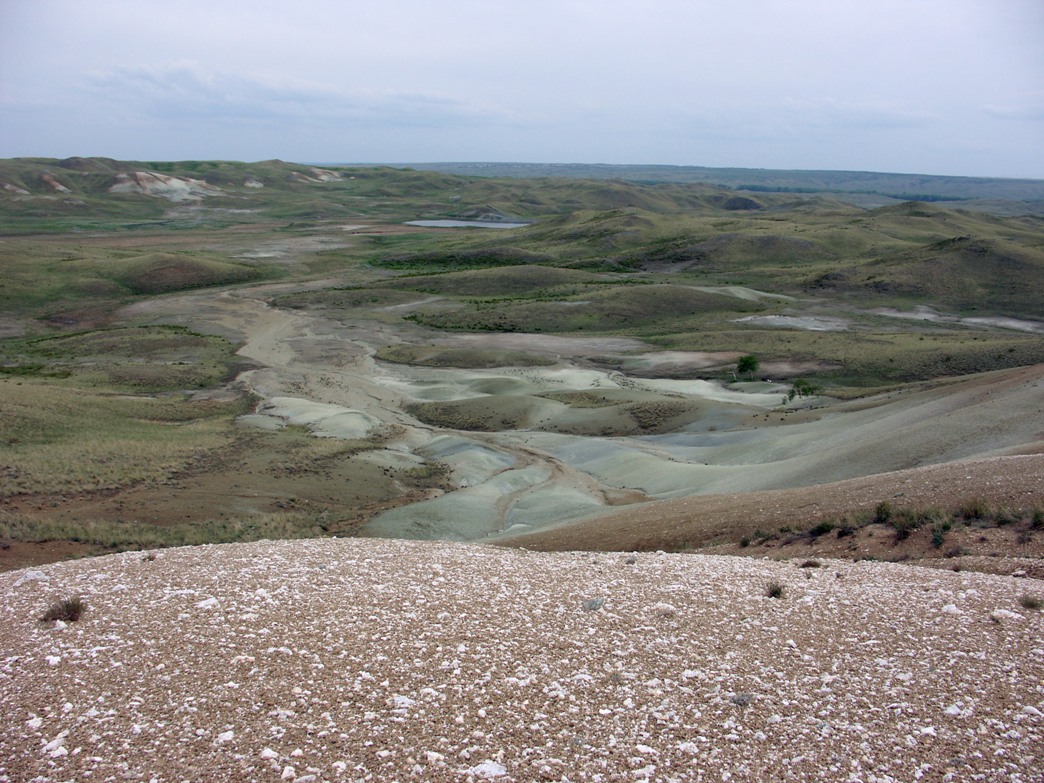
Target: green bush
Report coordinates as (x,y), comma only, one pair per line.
(883,513)
(821,529)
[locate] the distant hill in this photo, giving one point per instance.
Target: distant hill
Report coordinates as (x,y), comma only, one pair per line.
(980,192)
(79,192)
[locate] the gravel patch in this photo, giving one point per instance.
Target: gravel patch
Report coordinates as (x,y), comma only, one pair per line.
(361,659)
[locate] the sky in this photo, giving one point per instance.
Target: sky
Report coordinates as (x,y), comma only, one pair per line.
(916,86)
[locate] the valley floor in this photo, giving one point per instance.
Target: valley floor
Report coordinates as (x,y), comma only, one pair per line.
(545,463)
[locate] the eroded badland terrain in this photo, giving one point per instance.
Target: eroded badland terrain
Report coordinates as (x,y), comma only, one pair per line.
(218,352)
(225,353)
(214,351)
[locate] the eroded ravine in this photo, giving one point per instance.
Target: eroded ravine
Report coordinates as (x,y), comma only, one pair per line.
(320,373)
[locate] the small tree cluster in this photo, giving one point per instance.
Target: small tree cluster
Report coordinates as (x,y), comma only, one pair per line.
(802,388)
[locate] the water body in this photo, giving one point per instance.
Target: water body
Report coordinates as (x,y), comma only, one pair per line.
(464,224)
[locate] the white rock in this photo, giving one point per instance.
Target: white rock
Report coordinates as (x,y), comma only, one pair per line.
(1003,614)
(32,576)
(207,603)
(269,754)
(488,770)
(225,736)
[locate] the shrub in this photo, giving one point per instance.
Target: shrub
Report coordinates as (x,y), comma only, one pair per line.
(973,509)
(1006,517)
(774,590)
(67,610)
(904,522)
(883,513)
(1030,602)
(811,564)
(821,529)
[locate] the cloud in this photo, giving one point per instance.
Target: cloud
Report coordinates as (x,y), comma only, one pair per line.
(1022,107)
(186,91)
(803,119)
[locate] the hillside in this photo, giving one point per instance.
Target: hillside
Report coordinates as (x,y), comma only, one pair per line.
(332,660)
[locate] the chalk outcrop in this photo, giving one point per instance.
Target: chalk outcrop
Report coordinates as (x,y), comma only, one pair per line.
(151,183)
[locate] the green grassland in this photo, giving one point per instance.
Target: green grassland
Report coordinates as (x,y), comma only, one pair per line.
(604,256)
(62,279)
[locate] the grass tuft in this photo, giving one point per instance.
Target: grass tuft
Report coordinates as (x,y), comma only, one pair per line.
(1030,602)
(67,610)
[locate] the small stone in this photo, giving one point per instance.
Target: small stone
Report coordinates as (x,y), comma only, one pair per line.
(488,770)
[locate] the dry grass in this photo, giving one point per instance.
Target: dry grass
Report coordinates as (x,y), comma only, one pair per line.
(67,610)
(75,440)
(119,535)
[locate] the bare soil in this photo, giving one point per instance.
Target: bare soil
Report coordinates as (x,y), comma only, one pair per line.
(719,523)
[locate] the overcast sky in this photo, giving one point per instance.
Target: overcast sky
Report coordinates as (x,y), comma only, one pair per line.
(925,86)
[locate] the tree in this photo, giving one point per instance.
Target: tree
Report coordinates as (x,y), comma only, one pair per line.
(802,388)
(748,364)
